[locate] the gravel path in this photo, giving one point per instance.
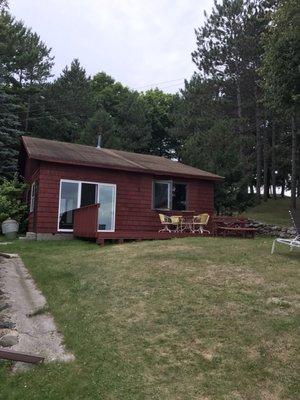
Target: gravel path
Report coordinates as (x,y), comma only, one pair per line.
(23,324)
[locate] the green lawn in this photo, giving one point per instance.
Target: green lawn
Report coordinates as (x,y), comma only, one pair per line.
(271,212)
(194,318)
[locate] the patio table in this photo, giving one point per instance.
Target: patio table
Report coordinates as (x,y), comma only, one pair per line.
(186,224)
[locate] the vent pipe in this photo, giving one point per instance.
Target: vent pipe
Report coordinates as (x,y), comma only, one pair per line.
(99,142)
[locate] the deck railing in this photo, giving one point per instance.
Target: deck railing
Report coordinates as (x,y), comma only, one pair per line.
(86,221)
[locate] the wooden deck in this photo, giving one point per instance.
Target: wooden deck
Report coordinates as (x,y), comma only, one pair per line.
(120,236)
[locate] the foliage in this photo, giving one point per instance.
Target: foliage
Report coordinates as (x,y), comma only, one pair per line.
(11,200)
(280,70)
(9,134)
(159,107)
(120,116)
(281,76)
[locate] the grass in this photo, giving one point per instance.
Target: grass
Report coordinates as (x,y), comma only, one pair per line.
(193,318)
(274,212)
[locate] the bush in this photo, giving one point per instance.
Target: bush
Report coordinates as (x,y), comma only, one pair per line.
(11,204)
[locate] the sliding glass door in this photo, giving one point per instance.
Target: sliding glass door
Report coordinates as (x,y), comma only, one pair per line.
(75,194)
(107,200)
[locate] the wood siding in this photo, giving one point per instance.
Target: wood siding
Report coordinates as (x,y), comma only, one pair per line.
(133,197)
(86,221)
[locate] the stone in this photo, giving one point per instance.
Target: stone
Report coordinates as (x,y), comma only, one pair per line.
(8,340)
(4,306)
(7,325)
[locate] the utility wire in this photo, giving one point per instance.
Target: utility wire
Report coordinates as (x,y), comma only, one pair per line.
(159,83)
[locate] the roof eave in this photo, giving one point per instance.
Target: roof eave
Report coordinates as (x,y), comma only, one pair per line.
(130,169)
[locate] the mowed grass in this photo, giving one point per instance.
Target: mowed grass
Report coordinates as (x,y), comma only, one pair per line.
(274,212)
(194,318)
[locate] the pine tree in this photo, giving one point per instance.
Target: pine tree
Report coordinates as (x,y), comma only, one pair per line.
(9,135)
(280,73)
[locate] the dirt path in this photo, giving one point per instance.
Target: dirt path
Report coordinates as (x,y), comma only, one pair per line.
(34,331)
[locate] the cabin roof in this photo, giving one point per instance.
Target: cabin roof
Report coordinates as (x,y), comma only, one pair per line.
(78,154)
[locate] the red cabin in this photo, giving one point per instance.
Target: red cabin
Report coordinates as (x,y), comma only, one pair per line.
(107,194)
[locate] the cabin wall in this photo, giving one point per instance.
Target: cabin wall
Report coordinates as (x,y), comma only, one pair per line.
(133,197)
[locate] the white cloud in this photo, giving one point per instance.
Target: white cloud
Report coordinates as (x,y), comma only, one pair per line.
(137,42)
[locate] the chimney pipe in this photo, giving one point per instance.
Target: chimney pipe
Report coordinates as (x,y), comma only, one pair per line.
(99,142)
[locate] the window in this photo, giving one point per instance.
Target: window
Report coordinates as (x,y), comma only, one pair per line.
(75,194)
(179,196)
(162,195)
(168,195)
(32,197)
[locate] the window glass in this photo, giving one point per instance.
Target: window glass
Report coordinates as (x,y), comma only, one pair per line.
(161,198)
(68,203)
(88,194)
(106,220)
(179,196)
(32,197)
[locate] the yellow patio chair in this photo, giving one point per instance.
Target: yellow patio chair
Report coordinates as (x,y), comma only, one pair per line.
(176,219)
(167,223)
(199,221)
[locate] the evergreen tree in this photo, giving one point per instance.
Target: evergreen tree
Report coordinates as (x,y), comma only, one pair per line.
(101,123)
(123,113)
(66,105)
(159,108)
(9,135)
(229,51)
(280,73)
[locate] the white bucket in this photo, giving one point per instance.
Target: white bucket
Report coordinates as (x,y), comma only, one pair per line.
(10,228)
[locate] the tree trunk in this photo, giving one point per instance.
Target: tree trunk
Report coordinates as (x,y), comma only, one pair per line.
(294,163)
(240,132)
(258,146)
(239,111)
(266,163)
(273,161)
(282,189)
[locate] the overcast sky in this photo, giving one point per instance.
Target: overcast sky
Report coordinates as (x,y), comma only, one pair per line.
(141,43)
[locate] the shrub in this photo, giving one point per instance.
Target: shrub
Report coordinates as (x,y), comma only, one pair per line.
(11,201)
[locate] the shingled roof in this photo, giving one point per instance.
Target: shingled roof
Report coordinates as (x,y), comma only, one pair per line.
(78,154)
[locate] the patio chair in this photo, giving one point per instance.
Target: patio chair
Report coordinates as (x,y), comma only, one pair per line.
(176,220)
(199,221)
(168,224)
(293,243)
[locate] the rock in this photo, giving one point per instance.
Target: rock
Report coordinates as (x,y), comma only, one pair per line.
(7,325)
(8,340)
(3,306)
(273,230)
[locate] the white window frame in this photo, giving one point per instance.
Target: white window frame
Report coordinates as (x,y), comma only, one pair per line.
(32,196)
(170,186)
(79,200)
(114,206)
